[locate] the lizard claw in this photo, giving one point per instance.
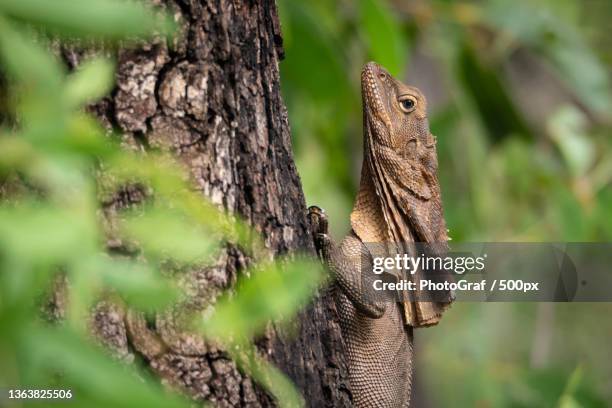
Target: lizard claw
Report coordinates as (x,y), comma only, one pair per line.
(318,220)
(319,227)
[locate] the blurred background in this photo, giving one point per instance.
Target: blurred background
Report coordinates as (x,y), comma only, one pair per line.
(520,100)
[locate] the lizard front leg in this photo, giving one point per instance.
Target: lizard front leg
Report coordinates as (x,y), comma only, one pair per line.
(346,263)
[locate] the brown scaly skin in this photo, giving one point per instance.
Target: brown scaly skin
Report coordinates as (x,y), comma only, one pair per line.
(398,202)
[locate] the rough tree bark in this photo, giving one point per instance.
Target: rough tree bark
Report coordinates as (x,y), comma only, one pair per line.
(213,99)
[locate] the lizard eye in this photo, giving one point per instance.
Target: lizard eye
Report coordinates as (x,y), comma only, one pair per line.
(407,103)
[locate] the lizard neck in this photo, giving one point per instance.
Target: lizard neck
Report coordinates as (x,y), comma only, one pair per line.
(376,216)
(367,219)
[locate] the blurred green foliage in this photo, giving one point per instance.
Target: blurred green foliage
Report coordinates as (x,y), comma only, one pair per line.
(56,166)
(520,101)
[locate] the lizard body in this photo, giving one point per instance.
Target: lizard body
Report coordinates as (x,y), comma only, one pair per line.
(398,203)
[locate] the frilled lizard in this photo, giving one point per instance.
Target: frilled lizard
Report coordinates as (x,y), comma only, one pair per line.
(398,203)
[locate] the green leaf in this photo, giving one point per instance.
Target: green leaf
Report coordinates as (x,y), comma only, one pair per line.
(40,234)
(83,140)
(93,80)
(567,129)
(568,399)
(85,137)
(171,187)
(383,33)
(273,292)
(27,61)
(15,153)
(35,80)
(35,240)
(95,379)
(139,284)
(249,361)
(113,19)
(170,234)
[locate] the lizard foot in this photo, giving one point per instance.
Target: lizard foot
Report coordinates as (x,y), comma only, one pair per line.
(318,220)
(319,227)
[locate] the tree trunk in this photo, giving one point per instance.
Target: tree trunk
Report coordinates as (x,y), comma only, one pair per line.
(213,99)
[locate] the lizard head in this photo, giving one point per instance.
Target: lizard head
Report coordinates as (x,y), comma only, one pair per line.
(395,113)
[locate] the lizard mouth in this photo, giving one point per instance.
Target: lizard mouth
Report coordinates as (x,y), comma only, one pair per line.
(372,77)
